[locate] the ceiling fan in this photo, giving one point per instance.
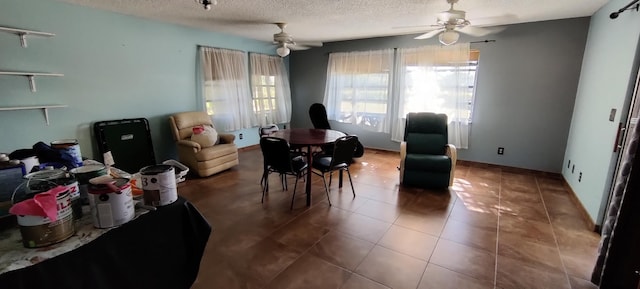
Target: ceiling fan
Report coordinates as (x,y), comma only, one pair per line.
(453,21)
(285,42)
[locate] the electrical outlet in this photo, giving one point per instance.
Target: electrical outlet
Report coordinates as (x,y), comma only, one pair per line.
(240,136)
(500,150)
(580,177)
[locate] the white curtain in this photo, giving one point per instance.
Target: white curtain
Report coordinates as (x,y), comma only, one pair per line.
(271,91)
(358,88)
(436,79)
(226,91)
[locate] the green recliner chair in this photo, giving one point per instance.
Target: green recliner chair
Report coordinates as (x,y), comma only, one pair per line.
(426,160)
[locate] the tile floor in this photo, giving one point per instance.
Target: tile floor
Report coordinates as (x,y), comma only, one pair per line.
(495,228)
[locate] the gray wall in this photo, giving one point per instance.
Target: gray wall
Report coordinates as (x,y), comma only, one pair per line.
(526,89)
(606,82)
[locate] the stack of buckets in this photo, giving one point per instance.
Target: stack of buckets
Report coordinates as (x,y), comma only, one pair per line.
(110,199)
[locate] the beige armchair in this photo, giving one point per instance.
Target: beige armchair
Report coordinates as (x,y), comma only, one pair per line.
(205,161)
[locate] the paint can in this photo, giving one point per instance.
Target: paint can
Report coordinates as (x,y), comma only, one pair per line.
(38,231)
(83,174)
(70,150)
(111,205)
(158,185)
(71,184)
(30,163)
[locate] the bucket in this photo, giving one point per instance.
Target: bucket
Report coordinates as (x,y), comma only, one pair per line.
(38,231)
(71,184)
(30,163)
(111,205)
(158,185)
(70,150)
(84,174)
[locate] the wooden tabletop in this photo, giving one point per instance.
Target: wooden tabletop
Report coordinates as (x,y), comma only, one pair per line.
(308,136)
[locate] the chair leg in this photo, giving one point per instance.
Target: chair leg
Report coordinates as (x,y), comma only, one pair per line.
(295,186)
(340,179)
(350,181)
(265,188)
(326,189)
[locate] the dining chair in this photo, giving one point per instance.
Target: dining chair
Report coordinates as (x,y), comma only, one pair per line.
(318,116)
(267,129)
(339,160)
(279,159)
(263,131)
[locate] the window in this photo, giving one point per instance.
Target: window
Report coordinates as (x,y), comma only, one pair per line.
(438,79)
(376,89)
(358,88)
(225,88)
(270,89)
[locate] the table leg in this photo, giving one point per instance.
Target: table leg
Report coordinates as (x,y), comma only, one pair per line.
(308,187)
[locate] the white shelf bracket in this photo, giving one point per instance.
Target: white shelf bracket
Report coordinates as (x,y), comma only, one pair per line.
(32,82)
(23,39)
(45,110)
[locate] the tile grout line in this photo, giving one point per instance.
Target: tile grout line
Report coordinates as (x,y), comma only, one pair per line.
(553,233)
(495,268)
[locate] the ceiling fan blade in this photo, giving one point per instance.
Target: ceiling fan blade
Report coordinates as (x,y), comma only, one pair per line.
(480,31)
(429,34)
(305,45)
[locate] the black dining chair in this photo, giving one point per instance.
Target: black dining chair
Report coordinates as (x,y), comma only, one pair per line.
(340,160)
(318,116)
(279,159)
(263,131)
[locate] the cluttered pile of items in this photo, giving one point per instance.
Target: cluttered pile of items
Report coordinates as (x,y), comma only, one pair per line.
(47,189)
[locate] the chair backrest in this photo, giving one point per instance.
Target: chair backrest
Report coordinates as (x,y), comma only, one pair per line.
(343,150)
(426,133)
(276,153)
(182,123)
(267,129)
(318,115)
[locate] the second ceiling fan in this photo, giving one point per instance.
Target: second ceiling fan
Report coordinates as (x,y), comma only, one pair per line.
(451,22)
(285,42)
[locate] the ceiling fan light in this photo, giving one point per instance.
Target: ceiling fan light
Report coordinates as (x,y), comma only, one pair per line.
(283,50)
(448,37)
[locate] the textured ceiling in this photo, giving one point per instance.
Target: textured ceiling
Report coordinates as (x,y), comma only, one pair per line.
(333,20)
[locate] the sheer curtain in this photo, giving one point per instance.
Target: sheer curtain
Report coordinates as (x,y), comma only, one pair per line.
(226,88)
(435,79)
(358,88)
(271,91)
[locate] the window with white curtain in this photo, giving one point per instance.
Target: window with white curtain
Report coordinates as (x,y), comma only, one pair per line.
(226,91)
(438,79)
(358,88)
(270,87)
(375,90)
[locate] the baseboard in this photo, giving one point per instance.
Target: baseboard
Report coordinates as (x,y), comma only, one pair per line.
(583,212)
(248,148)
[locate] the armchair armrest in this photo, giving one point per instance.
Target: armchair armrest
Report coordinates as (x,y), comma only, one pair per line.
(189,144)
(226,137)
(403,155)
(452,152)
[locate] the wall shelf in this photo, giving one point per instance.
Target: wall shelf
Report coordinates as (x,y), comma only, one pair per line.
(23,33)
(31,76)
(45,109)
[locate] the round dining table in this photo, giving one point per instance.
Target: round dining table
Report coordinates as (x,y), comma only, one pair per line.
(308,137)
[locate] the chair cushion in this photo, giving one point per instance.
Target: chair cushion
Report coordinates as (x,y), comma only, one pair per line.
(323,164)
(216,151)
(424,143)
(434,163)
